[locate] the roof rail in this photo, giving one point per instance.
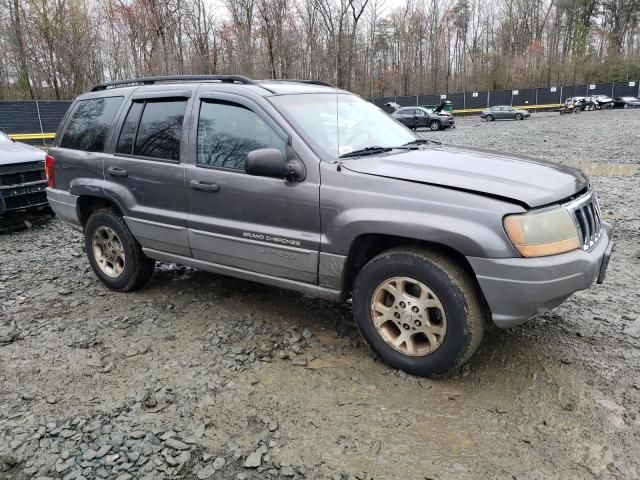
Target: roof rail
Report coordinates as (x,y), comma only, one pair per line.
(175,78)
(310,82)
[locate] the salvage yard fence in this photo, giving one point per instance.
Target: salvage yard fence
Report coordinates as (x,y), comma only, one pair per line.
(32,121)
(37,121)
(532,98)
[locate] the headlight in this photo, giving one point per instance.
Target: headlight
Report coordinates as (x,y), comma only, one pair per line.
(538,234)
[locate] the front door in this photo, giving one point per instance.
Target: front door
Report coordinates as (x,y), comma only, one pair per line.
(259,224)
(144,175)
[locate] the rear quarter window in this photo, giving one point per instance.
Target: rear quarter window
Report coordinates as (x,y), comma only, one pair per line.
(89,124)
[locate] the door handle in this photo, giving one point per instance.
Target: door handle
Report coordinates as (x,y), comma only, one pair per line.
(204,186)
(117,172)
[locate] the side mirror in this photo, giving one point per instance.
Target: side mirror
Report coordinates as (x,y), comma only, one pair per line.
(270,162)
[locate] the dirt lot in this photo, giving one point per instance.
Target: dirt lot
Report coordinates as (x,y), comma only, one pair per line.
(203,376)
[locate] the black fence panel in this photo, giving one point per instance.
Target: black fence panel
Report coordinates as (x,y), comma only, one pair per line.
(600,89)
(429,99)
(456,99)
(475,100)
(407,101)
(626,89)
(19,117)
(524,97)
(548,96)
(51,114)
(499,97)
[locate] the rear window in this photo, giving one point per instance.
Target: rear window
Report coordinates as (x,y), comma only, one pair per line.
(89,124)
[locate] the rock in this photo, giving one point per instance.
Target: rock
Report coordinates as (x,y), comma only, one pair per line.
(206,472)
(90,454)
(117,439)
(176,444)
(183,457)
(103,450)
(219,462)
(133,456)
(8,461)
(300,361)
(255,459)
(61,466)
(7,336)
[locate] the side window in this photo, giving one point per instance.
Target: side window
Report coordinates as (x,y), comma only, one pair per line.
(129,129)
(418,113)
(89,124)
(227,132)
(160,129)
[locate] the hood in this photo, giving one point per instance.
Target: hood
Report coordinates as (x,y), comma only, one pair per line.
(16,152)
(524,180)
(439,108)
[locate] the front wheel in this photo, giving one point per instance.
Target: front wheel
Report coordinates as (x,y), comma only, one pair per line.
(114,254)
(518,116)
(434,125)
(419,311)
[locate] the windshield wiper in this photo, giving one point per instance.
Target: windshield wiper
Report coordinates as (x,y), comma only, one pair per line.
(366,151)
(420,141)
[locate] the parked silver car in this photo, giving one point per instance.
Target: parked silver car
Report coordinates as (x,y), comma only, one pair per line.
(504,112)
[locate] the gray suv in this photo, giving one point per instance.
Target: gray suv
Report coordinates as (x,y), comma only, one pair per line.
(306,187)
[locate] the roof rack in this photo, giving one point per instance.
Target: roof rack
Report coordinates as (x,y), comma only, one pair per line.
(297,80)
(175,78)
(312,82)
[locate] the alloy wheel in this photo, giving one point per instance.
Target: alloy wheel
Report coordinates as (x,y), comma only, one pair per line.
(108,252)
(408,316)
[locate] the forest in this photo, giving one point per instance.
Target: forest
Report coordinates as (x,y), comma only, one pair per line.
(56,49)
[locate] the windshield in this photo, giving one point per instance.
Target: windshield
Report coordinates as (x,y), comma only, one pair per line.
(342,123)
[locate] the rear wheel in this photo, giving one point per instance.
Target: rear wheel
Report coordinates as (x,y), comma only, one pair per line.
(114,254)
(419,311)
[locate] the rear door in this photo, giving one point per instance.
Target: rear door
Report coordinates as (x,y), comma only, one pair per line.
(406,116)
(422,119)
(143,173)
(260,224)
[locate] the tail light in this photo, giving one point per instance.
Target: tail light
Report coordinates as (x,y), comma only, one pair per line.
(48,170)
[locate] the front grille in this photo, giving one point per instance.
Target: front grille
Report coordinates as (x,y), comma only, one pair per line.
(18,178)
(585,212)
(22,186)
(25,201)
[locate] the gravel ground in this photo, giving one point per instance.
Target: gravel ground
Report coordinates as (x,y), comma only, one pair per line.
(203,376)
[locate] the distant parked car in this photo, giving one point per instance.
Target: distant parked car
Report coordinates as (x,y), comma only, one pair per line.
(602,102)
(583,103)
(22,177)
(504,112)
(421,117)
(626,102)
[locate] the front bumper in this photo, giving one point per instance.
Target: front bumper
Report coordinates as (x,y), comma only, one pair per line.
(518,289)
(65,206)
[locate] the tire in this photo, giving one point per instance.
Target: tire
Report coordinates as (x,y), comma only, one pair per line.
(125,268)
(490,118)
(518,116)
(455,310)
(434,125)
